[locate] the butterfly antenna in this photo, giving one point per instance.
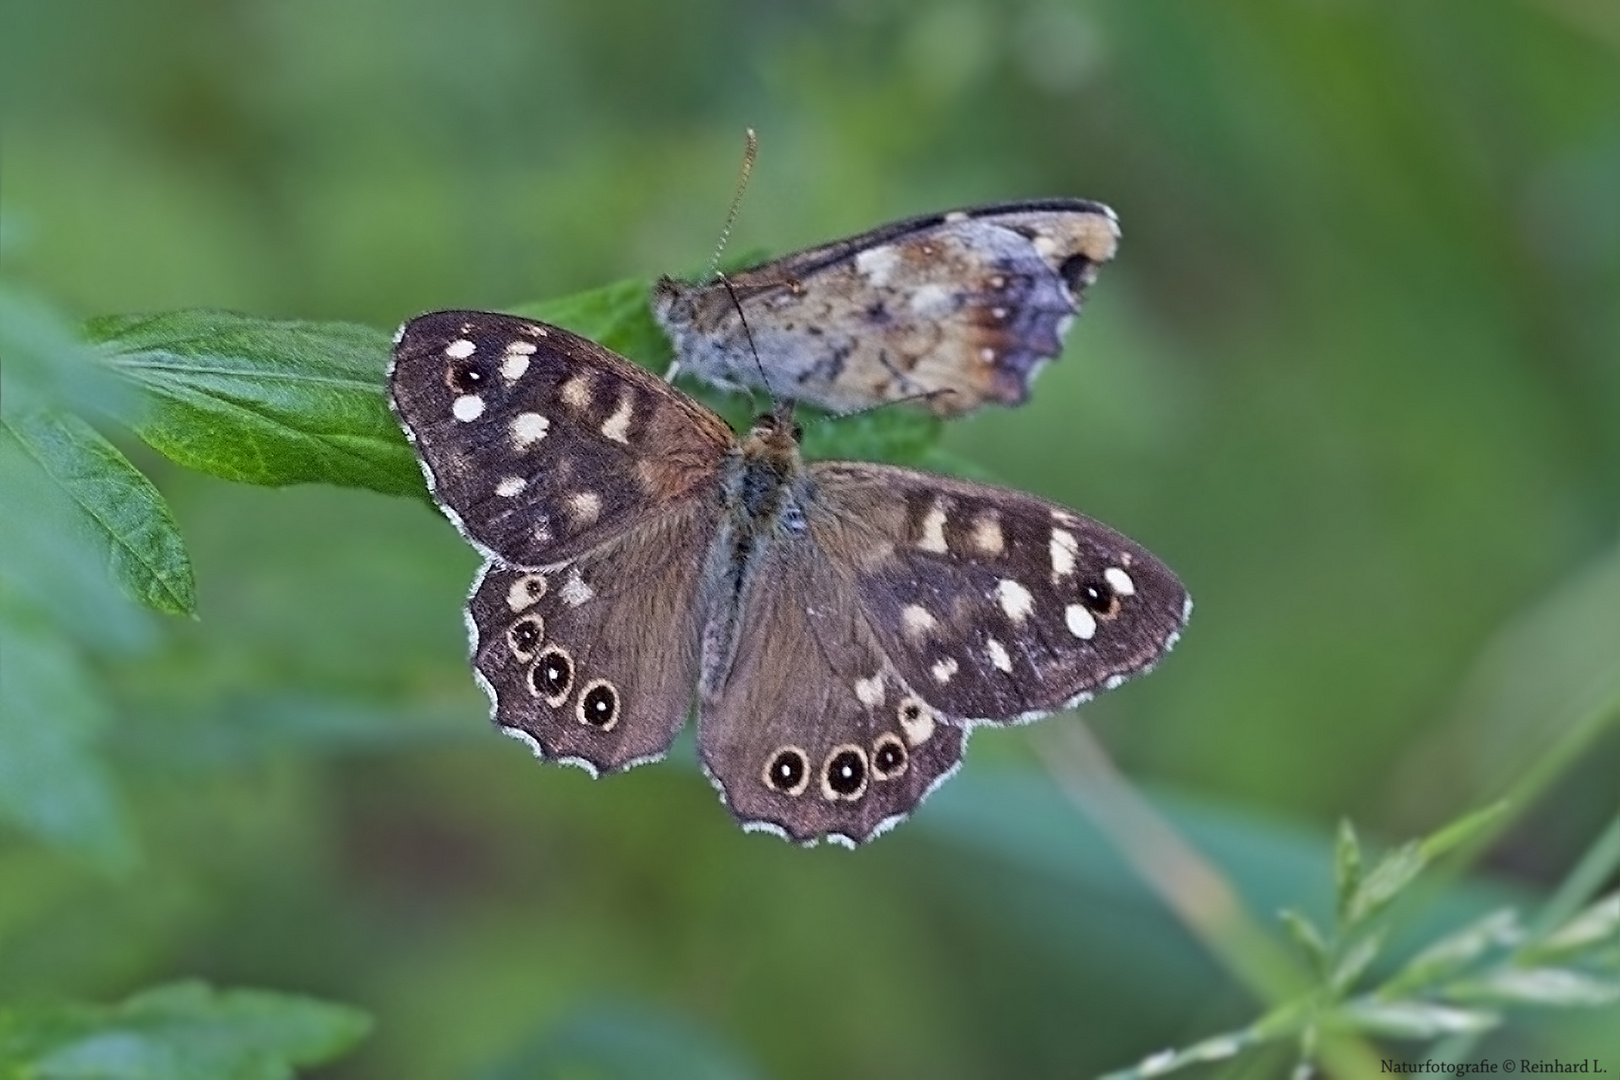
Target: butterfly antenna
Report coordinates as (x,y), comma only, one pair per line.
(750,151)
(748,333)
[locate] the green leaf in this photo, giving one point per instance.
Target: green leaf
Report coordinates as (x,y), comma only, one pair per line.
(1537,986)
(1597,923)
(1499,928)
(1412,1019)
(184,1031)
(1354,962)
(1397,869)
(1450,837)
(1386,880)
(1346,866)
(617,316)
(263,401)
(51,710)
(47,364)
(1306,936)
(127,517)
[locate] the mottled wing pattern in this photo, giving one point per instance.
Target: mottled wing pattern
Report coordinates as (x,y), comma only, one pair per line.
(540,444)
(972,301)
(813,733)
(594,662)
(993,605)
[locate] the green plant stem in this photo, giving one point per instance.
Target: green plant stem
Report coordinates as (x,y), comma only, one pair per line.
(1579,886)
(1190,886)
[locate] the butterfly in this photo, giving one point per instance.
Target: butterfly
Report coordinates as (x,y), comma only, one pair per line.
(972,302)
(839,627)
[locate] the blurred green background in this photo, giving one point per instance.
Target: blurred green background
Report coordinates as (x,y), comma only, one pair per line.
(1355,375)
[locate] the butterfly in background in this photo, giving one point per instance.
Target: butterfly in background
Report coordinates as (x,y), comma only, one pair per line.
(838,627)
(972,302)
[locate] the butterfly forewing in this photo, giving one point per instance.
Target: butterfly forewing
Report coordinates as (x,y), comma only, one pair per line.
(971,302)
(992,604)
(539,443)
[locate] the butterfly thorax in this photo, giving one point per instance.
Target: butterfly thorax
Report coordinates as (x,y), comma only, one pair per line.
(764,491)
(765,483)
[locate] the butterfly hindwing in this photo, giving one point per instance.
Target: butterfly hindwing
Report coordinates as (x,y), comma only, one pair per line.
(594,661)
(992,604)
(539,443)
(972,302)
(812,733)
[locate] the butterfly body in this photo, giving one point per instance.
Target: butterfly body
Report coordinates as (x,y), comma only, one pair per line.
(838,627)
(965,306)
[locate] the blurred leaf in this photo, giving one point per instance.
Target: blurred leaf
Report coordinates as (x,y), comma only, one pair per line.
(1599,921)
(263,401)
(1306,936)
(1354,962)
(1395,870)
(1413,1019)
(1499,928)
(240,729)
(184,1031)
(47,364)
(51,709)
(1537,986)
(1346,867)
(118,506)
(621,1044)
(1450,837)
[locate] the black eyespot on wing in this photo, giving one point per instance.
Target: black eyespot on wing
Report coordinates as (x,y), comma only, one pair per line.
(467,376)
(889,757)
(788,771)
(599,705)
(844,775)
(552,675)
(1099,597)
(524,635)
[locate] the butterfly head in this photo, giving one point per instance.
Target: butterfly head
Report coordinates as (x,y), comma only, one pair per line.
(775,434)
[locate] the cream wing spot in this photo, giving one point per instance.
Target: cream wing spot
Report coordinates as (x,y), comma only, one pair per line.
(467,408)
(916,721)
(930,299)
(870,691)
(574,591)
(515,361)
(1064,548)
(576,392)
(877,264)
(999,659)
(933,530)
(944,670)
(1014,599)
(583,508)
(987,535)
(460,349)
(1119,581)
(917,621)
(510,486)
(525,592)
(1081,623)
(528,428)
(617,426)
